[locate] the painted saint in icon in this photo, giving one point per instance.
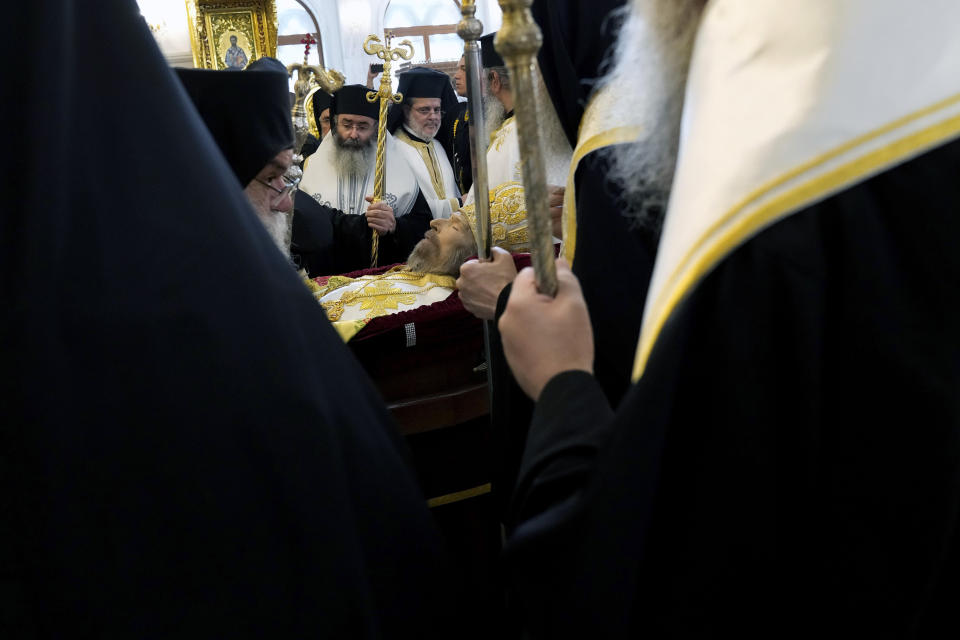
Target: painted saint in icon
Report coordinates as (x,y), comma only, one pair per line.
(235,57)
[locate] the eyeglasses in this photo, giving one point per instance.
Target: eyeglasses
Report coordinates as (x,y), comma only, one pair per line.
(288,186)
(425,111)
(361,127)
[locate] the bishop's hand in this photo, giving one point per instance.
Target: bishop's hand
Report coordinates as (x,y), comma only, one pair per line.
(544,336)
(380,217)
(480,283)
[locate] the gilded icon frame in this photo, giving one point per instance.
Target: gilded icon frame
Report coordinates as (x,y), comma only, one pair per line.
(213,22)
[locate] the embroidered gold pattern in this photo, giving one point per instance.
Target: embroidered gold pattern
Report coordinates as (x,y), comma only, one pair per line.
(508,210)
(429,157)
(334,309)
(379,295)
(498,137)
(508,205)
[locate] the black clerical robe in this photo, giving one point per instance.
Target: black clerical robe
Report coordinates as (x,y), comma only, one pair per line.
(788,464)
(614,256)
(326,241)
(187,449)
(462,163)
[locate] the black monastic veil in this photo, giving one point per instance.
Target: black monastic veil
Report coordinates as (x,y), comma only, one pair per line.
(187,447)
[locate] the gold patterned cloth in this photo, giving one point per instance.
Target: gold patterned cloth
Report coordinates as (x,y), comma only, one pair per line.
(508,217)
(350,303)
(508,207)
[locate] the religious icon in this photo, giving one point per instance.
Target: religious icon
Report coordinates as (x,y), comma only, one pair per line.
(229,34)
(234,49)
(235,57)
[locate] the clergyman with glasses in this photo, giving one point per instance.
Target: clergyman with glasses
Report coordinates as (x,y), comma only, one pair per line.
(248,115)
(423,125)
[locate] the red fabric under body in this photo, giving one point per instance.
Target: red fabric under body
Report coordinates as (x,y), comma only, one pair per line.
(439,322)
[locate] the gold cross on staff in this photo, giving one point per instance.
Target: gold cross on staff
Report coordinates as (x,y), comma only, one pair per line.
(383,51)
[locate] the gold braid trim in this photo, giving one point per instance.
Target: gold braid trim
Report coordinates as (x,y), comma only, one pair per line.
(429,157)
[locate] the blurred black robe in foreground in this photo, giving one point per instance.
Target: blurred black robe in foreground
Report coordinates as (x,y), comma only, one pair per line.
(613,253)
(789,464)
(187,448)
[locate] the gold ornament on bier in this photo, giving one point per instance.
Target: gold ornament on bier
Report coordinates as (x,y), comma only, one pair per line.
(518,42)
(385,95)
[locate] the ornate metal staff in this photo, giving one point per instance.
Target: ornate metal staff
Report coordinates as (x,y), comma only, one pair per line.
(518,41)
(383,51)
(470,29)
(307,76)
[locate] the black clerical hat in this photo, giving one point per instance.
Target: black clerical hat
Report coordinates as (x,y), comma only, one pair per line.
(423,82)
(266,63)
(320,101)
(352,98)
(488,53)
(247,113)
(576,38)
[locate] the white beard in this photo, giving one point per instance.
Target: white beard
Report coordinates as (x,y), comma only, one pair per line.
(278,226)
(652,57)
(556,146)
(417,131)
(494,113)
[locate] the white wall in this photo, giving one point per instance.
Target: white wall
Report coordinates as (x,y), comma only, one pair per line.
(173,36)
(344,25)
(328,15)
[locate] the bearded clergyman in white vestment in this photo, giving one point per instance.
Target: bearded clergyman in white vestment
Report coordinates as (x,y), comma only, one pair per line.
(785,463)
(504,170)
(335,216)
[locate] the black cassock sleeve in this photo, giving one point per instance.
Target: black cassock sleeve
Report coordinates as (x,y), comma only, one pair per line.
(613,262)
(789,460)
(569,422)
(328,241)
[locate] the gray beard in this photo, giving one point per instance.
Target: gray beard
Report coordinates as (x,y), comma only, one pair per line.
(426,258)
(418,132)
(494,113)
(352,161)
(652,54)
(556,146)
(277,224)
